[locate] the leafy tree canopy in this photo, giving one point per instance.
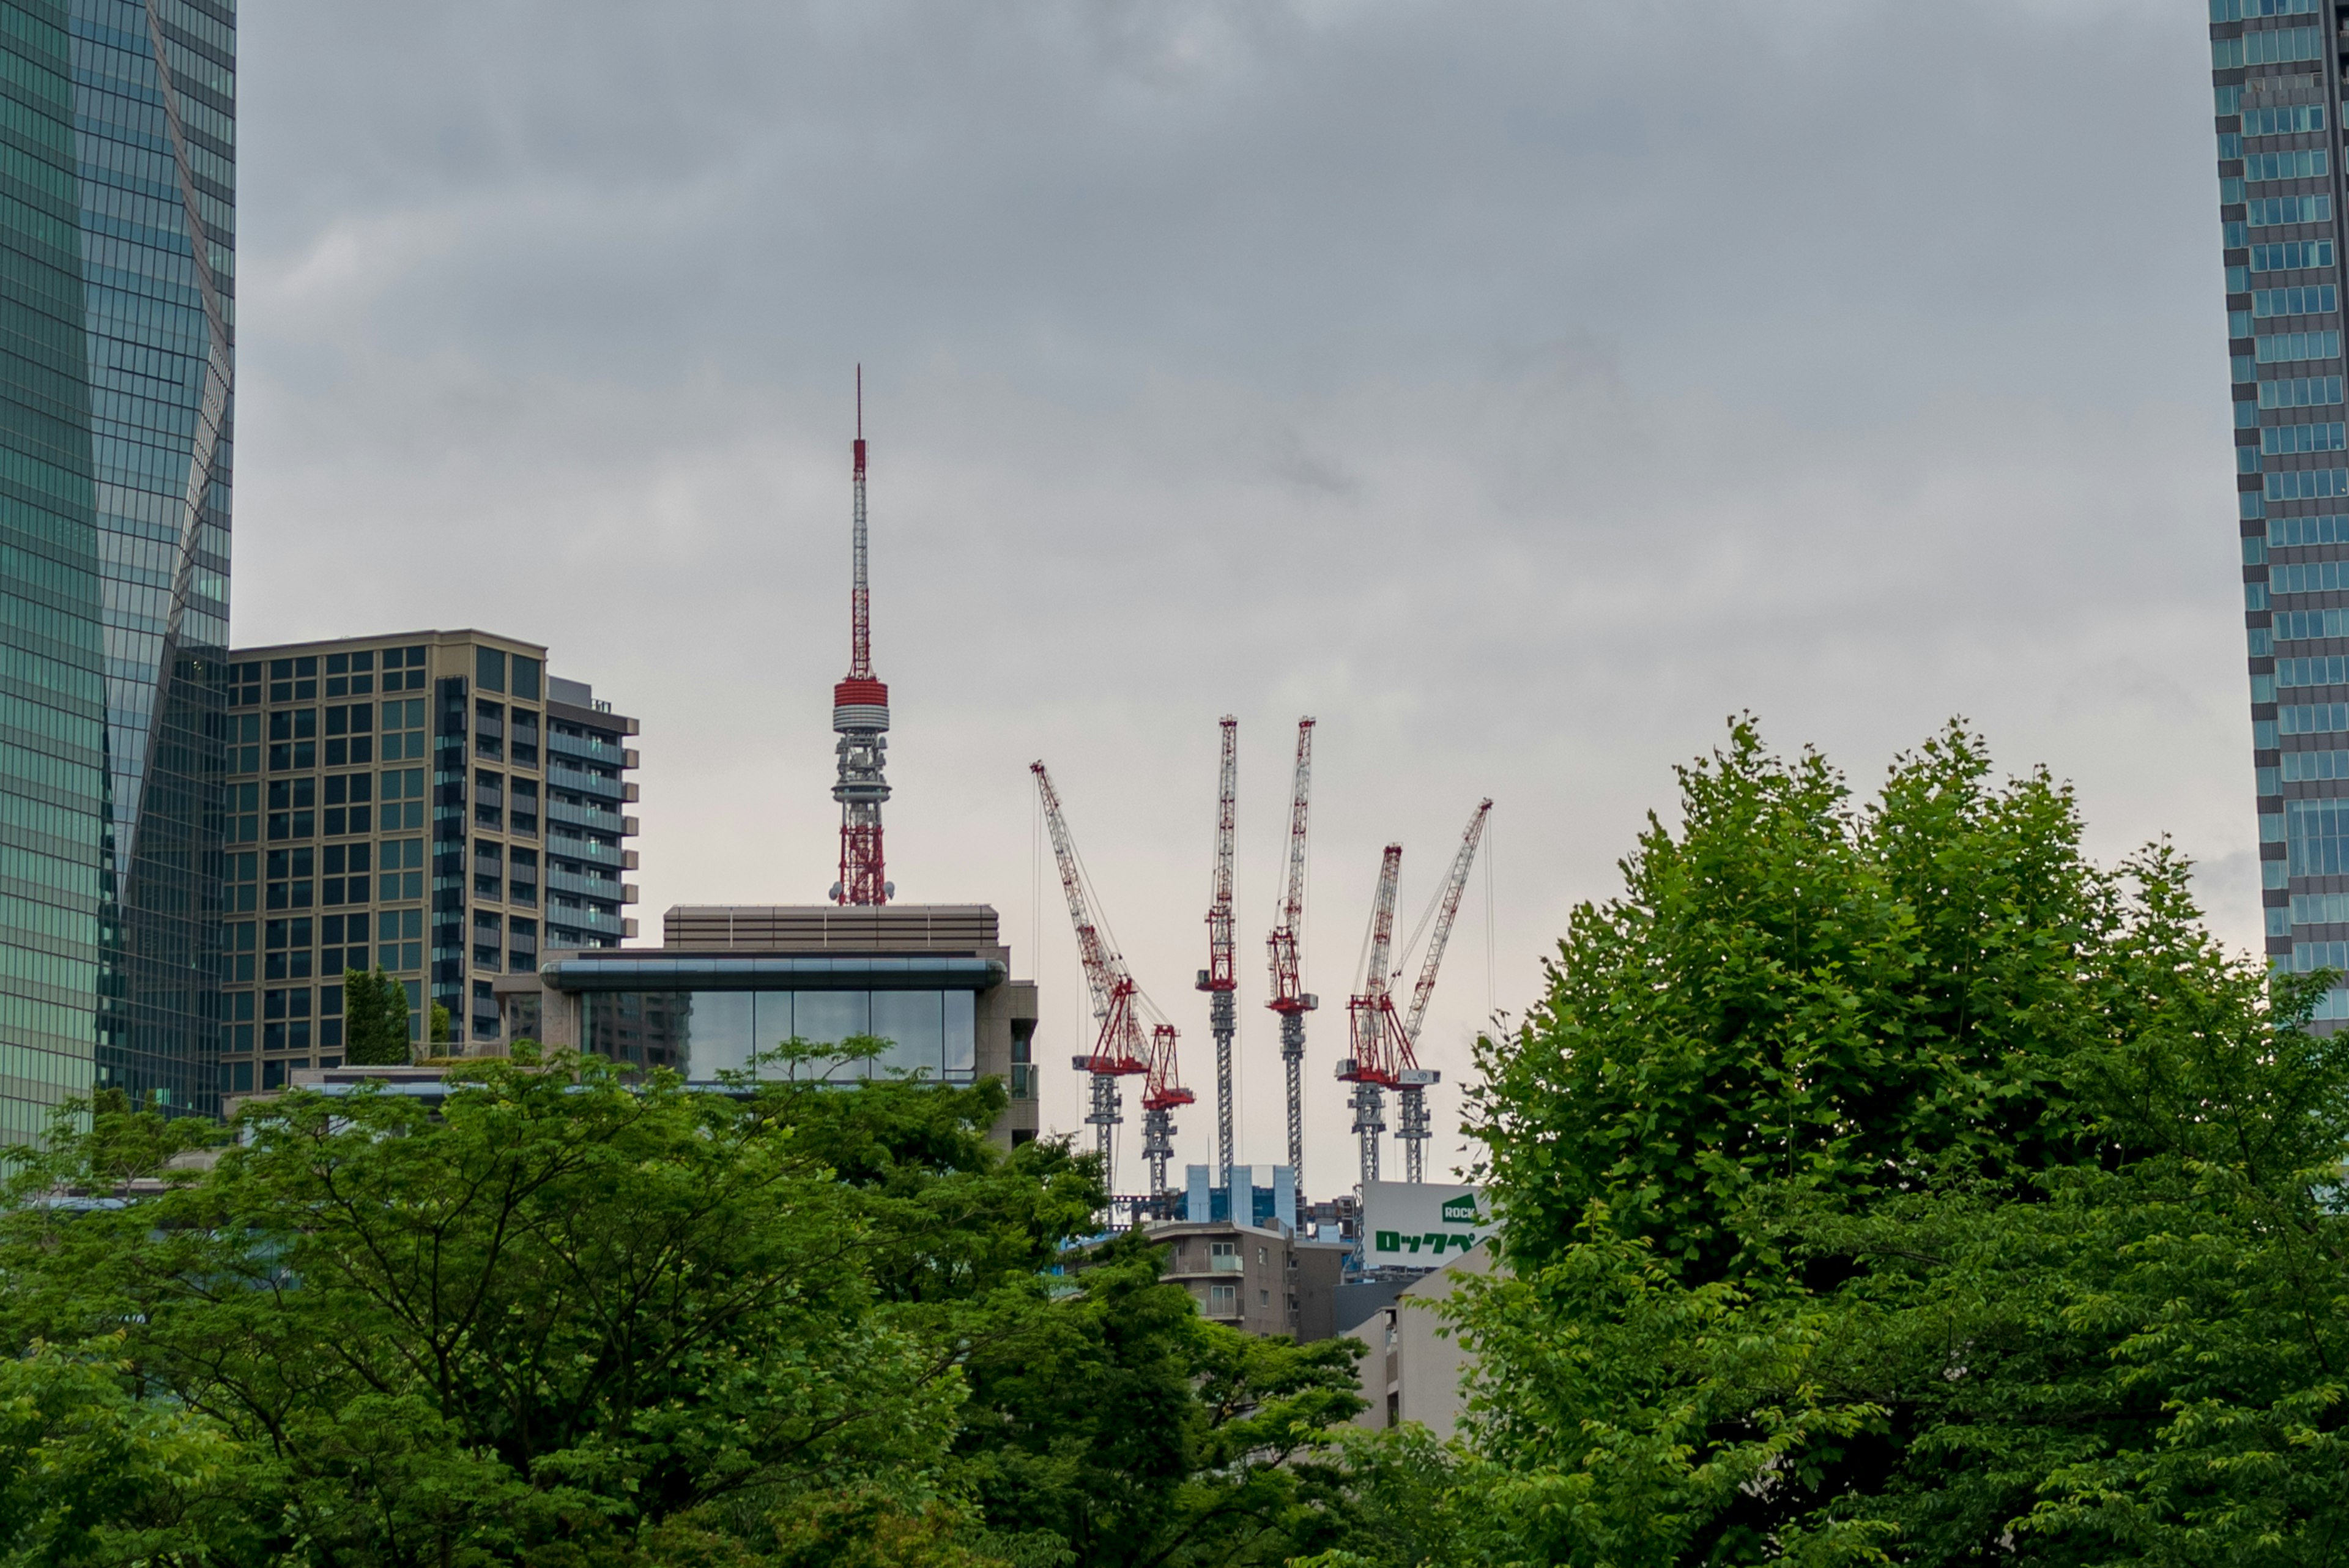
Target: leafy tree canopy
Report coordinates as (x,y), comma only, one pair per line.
(576,1318)
(1890,1183)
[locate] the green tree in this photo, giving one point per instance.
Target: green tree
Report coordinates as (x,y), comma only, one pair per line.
(439,1032)
(375,1019)
(1890,1182)
(1107,1414)
(566,1310)
(579,1316)
(1794,990)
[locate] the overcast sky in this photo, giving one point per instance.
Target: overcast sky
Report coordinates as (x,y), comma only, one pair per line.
(1518,388)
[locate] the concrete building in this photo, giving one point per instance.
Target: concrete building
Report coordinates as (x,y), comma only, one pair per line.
(1260,1279)
(729,981)
(1416,1361)
(434,803)
(115,369)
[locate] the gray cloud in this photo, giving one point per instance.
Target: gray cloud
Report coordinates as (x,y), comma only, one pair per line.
(1519,387)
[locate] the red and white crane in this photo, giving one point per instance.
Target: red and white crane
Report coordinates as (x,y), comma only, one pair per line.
(1385,1046)
(1412,1079)
(1219,979)
(1161,1091)
(1290,997)
(860,716)
(1372,1031)
(1118,1003)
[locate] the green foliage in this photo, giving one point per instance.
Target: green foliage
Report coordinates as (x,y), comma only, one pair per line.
(1793,991)
(1892,1184)
(578,1318)
(1138,1433)
(89,1474)
(375,1019)
(439,1032)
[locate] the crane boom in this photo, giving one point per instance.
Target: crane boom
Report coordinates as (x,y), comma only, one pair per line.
(1371,1024)
(1383,906)
(1412,1081)
(1454,886)
(1288,982)
(1219,979)
(1219,892)
(1117,1051)
(1289,997)
(1099,977)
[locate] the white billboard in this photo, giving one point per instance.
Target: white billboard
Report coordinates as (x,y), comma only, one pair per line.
(1420,1225)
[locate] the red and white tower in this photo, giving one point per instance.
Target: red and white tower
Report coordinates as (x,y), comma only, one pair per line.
(860,716)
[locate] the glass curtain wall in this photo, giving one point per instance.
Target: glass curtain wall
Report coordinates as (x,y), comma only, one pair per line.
(932,1033)
(114,478)
(2276,74)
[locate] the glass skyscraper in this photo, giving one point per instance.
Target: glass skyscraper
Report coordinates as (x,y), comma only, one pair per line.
(117,280)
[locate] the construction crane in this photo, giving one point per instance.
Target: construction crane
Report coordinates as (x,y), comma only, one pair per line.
(1410,1079)
(860,716)
(1217,979)
(1374,1064)
(1118,1050)
(1290,997)
(1161,1091)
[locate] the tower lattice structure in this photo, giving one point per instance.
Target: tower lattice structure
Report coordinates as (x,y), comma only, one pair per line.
(860,716)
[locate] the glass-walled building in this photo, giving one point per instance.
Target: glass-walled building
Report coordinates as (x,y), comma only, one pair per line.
(119,288)
(433,803)
(2277,73)
(731,983)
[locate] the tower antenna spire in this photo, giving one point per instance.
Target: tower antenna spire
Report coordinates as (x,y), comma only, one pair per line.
(860,716)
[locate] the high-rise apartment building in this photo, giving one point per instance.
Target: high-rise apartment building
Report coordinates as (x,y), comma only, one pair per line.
(435,804)
(118,289)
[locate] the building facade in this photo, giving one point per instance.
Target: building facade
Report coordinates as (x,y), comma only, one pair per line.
(1417,1363)
(119,291)
(1259,1278)
(2276,74)
(435,804)
(728,981)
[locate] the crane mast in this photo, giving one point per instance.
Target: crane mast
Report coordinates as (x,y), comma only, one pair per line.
(1219,979)
(1118,1050)
(1371,1023)
(1289,997)
(1411,1094)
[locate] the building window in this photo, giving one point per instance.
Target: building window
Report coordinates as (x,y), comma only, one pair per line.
(489,669)
(1223,1301)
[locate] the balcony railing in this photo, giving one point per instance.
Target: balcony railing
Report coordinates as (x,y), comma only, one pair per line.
(559,776)
(585,886)
(559,919)
(597,817)
(587,746)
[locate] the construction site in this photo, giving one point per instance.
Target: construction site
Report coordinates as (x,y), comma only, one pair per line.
(729,982)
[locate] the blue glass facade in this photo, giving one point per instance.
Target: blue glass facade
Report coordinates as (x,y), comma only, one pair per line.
(117,222)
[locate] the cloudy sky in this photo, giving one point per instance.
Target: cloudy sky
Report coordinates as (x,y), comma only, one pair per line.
(1518,387)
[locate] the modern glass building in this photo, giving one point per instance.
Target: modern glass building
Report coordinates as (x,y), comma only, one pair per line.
(118,223)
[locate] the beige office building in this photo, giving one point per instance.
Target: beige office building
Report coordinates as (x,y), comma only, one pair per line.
(437,804)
